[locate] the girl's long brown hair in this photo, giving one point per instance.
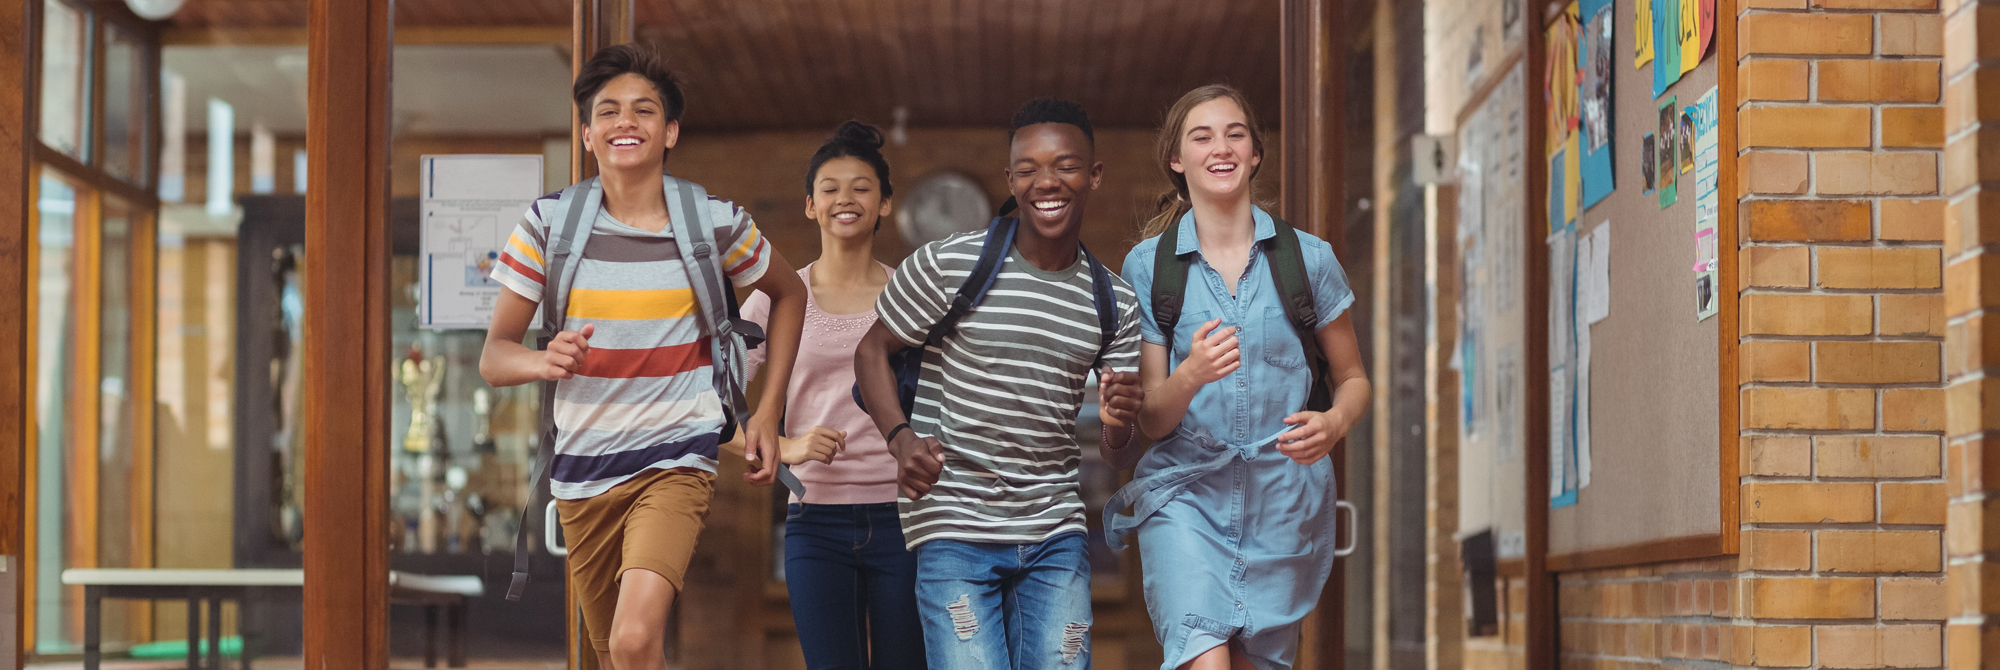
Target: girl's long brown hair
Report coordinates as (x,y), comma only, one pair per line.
(1174,203)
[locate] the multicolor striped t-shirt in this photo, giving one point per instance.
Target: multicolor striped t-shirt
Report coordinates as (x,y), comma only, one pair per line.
(644,398)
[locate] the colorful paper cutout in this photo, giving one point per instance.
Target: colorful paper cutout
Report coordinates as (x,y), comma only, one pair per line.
(1596,95)
(1669,143)
(1666,45)
(1642,33)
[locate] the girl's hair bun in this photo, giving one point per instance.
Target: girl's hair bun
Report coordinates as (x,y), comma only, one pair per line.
(857,140)
(859,135)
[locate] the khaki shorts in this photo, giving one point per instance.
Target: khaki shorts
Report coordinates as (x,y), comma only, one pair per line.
(647,523)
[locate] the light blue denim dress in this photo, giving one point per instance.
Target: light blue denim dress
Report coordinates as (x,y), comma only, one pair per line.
(1237,539)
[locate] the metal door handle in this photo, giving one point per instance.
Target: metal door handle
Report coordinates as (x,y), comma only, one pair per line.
(1353,534)
(552,532)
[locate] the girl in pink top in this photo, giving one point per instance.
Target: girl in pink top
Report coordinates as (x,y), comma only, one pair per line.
(851,580)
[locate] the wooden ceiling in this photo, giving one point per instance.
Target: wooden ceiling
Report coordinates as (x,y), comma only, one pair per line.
(790,64)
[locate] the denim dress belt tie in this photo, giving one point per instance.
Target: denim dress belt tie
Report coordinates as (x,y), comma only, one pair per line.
(1146,495)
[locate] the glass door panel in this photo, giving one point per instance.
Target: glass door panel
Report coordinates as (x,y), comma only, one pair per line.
(119,526)
(53,271)
(66,48)
(126,90)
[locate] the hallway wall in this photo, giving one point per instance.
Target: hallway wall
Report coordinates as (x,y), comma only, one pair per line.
(1841,358)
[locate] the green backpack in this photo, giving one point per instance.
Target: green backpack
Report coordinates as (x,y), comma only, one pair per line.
(1288,272)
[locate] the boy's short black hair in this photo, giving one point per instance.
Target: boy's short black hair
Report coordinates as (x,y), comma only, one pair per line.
(613,61)
(1051,110)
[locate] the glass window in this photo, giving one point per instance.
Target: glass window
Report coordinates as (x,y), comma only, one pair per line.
(126,91)
(118,541)
(52,270)
(65,117)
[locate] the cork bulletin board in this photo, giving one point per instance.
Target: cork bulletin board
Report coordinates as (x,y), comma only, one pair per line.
(1656,450)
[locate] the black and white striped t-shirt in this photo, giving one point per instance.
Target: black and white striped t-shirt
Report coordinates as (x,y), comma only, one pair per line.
(1002,393)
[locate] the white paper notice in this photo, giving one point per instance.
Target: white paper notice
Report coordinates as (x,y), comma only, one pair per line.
(469,205)
(1599,278)
(1583,404)
(1558,429)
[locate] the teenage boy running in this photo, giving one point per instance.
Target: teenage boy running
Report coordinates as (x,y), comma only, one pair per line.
(988,466)
(637,412)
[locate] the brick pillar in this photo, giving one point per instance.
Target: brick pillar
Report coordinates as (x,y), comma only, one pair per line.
(1972,39)
(1843,499)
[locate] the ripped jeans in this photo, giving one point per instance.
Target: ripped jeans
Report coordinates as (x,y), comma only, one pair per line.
(988,606)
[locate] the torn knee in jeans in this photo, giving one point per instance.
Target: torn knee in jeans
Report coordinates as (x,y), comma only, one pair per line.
(1072,641)
(963,620)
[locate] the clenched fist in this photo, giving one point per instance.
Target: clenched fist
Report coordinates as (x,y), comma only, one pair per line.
(566,352)
(919,460)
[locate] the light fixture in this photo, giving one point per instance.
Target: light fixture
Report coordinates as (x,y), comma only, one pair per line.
(155,10)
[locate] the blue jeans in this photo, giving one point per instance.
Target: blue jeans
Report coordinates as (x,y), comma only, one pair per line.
(1005,606)
(853,587)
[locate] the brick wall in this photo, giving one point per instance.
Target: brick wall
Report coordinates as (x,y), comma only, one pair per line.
(1843,498)
(1644,616)
(1507,650)
(1972,39)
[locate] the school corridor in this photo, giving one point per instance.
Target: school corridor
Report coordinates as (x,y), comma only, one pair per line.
(1673,311)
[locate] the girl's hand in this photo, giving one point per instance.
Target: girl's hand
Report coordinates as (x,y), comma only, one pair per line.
(1311,438)
(1211,356)
(819,444)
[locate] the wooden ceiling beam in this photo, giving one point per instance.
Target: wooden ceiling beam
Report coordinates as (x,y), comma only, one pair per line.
(405,36)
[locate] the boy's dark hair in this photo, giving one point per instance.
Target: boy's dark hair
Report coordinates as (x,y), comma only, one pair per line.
(1051,110)
(857,140)
(613,61)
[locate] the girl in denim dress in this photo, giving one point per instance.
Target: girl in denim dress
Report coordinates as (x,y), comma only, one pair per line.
(1233,507)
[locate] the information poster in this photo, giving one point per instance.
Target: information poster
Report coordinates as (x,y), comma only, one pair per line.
(470,205)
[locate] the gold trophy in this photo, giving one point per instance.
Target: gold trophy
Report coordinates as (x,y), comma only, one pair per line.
(422,379)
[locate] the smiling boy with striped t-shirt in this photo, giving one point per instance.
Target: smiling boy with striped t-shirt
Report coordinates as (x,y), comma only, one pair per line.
(989,465)
(638,416)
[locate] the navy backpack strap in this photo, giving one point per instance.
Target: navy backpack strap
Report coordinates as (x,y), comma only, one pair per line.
(563,245)
(1104,294)
(992,254)
(1170,272)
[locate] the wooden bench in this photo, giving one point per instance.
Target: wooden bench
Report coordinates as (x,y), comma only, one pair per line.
(433,592)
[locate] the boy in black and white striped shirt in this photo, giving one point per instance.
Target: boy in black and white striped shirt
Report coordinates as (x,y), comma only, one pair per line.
(989,463)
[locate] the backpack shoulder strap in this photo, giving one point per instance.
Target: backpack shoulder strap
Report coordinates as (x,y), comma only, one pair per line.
(1288,272)
(566,240)
(992,254)
(1170,272)
(1105,294)
(567,237)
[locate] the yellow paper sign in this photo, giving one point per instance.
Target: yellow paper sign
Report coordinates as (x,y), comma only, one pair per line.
(1690,34)
(1642,32)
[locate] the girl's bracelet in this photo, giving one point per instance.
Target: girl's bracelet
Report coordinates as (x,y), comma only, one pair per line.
(892,432)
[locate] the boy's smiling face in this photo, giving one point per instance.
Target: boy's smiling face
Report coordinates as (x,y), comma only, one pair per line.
(1051,170)
(628,126)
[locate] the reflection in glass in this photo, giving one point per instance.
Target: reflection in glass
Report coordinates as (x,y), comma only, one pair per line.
(65,118)
(118,532)
(55,335)
(125,94)
(193,415)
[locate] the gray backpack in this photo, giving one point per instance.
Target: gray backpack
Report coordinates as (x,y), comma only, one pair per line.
(730,336)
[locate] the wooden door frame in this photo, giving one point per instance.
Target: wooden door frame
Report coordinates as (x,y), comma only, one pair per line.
(346,353)
(17,48)
(1312,118)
